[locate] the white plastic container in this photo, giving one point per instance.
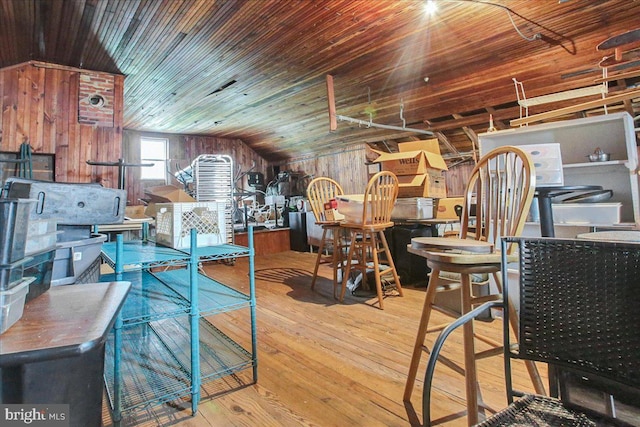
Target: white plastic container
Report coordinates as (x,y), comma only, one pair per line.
(413,208)
(351,206)
(548,178)
(12,304)
(174,222)
(586,213)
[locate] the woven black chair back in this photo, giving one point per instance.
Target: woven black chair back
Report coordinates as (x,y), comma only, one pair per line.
(579,310)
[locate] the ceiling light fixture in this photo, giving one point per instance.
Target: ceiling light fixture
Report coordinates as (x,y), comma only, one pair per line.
(430,7)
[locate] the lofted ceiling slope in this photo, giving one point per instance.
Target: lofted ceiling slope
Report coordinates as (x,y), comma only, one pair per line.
(256,70)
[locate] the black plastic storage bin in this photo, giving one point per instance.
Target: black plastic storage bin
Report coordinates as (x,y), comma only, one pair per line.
(412,268)
(40,267)
(14,225)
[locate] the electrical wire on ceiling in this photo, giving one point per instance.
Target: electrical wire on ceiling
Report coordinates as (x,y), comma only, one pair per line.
(536,36)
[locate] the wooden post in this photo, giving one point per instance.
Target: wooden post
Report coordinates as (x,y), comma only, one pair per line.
(333,122)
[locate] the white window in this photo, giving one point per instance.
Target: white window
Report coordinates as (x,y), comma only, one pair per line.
(153,150)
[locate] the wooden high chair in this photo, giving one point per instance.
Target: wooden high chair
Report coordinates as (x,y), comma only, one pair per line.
(320,191)
(367,239)
(503,185)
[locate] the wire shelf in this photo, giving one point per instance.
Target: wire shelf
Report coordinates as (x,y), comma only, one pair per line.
(152,370)
(149,299)
(153,363)
(138,255)
(212,253)
(156,361)
(219,355)
(213,296)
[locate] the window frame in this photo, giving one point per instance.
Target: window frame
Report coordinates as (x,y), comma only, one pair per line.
(145,170)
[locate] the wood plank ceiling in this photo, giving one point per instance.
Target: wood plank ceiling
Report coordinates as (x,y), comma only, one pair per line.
(256,69)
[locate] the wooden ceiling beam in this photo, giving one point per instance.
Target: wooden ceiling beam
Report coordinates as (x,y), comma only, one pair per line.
(473,137)
(460,121)
(442,138)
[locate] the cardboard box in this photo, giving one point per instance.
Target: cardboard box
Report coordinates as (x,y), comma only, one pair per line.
(445,208)
(135,212)
(414,158)
(167,194)
(429,184)
(333,215)
(150,210)
(164,194)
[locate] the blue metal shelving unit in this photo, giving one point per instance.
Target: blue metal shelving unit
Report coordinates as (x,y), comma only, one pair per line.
(161,347)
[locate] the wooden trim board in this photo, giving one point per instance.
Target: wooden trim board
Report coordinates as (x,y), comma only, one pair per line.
(575,108)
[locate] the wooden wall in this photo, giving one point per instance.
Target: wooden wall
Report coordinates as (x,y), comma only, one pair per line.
(347,166)
(40,107)
(182,150)
(350,168)
(456,178)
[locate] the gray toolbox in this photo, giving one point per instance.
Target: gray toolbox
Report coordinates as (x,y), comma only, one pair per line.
(70,203)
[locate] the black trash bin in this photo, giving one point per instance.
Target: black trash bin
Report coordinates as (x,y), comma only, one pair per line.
(298,231)
(411,268)
(62,363)
(75,380)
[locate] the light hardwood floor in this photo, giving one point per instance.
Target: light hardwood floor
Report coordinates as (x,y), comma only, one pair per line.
(325,363)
